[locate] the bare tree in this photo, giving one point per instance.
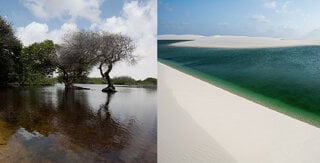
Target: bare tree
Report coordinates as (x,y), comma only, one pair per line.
(80,51)
(113,48)
(76,55)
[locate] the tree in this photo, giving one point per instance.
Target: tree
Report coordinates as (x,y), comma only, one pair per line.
(76,55)
(10,48)
(82,50)
(113,48)
(38,62)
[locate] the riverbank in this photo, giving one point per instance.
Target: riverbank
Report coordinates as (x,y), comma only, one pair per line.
(246,131)
(218,41)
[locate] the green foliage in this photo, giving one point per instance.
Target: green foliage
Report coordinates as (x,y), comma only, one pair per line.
(124,80)
(24,67)
(96,81)
(38,62)
(152,81)
(41,56)
(35,64)
(10,48)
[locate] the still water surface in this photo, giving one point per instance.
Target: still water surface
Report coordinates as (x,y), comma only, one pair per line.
(284,79)
(53,125)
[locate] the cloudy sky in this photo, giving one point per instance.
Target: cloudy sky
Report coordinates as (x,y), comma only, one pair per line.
(272,18)
(38,20)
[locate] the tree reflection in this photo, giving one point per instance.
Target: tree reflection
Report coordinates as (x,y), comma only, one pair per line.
(70,116)
(87,128)
(106,105)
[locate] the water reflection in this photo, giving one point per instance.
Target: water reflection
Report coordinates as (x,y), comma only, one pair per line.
(51,124)
(106,105)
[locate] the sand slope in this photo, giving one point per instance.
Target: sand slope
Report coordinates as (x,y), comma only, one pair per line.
(180,139)
(247,131)
(244,42)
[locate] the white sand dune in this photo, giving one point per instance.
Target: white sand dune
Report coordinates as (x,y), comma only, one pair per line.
(180,139)
(179,37)
(239,130)
(244,42)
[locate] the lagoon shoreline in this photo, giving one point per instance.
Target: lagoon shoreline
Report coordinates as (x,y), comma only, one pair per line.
(247,131)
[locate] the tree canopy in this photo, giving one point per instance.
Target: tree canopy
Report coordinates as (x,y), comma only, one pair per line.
(82,50)
(10,48)
(114,48)
(39,63)
(78,53)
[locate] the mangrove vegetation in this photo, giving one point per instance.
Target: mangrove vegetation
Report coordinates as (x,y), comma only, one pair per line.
(45,63)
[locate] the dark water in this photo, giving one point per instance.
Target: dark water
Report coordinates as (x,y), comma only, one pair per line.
(53,125)
(285,79)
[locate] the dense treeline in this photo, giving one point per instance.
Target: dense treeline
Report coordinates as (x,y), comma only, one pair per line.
(10,51)
(73,59)
(38,64)
(122,80)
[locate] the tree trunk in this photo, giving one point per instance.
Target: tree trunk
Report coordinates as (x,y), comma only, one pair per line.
(67,82)
(106,76)
(68,85)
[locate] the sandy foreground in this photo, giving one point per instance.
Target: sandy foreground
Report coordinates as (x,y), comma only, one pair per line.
(199,122)
(243,42)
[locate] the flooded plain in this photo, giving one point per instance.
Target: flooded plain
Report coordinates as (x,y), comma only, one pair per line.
(51,124)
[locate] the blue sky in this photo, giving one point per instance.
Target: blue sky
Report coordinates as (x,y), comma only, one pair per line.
(39,20)
(271,18)
(19,15)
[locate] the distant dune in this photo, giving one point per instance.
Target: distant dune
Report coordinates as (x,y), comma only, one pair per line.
(179,37)
(218,41)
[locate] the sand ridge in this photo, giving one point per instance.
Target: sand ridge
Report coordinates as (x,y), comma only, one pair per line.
(218,41)
(179,37)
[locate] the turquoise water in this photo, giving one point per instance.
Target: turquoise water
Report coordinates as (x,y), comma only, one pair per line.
(284,79)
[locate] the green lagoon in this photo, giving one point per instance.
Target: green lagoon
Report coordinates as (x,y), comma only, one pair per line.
(284,79)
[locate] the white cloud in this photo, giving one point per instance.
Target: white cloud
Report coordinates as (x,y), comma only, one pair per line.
(138,21)
(279,7)
(46,9)
(36,32)
(260,18)
(271,5)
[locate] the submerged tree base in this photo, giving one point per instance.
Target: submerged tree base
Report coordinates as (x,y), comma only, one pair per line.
(109,89)
(76,88)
